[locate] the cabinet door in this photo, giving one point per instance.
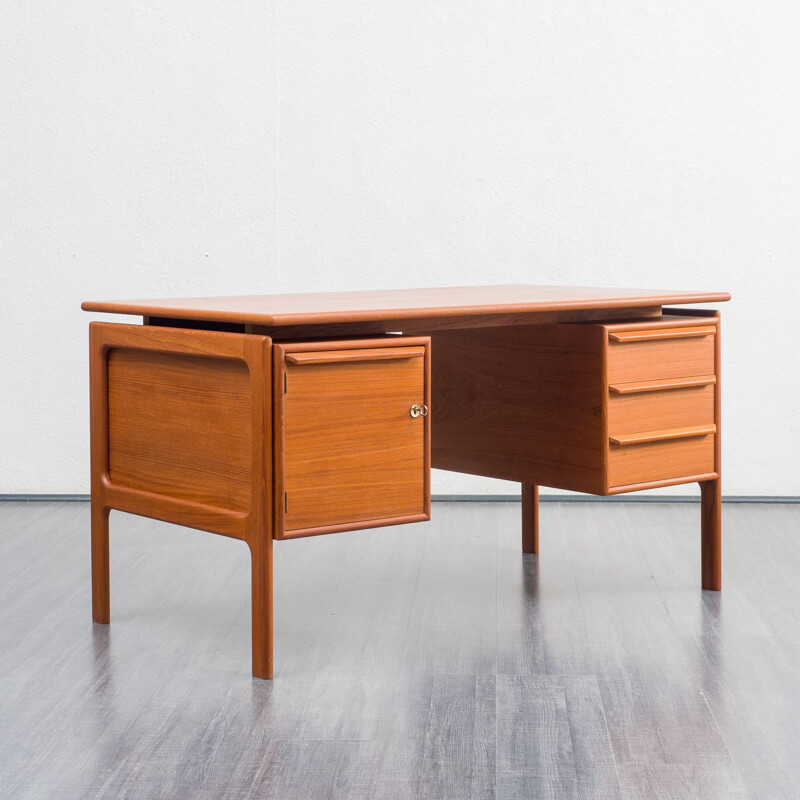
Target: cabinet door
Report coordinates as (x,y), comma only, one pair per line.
(350,451)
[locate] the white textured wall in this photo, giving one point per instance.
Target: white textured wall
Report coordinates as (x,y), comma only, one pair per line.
(178,148)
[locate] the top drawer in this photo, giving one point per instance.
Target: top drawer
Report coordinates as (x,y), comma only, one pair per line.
(660,353)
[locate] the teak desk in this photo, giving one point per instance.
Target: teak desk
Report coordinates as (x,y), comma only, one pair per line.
(280,416)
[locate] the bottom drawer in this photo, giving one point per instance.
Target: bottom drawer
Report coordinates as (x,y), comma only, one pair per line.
(659,461)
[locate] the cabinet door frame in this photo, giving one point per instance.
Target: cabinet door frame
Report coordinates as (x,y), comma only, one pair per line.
(280,351)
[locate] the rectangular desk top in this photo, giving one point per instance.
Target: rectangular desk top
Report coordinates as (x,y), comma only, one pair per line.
(275,310)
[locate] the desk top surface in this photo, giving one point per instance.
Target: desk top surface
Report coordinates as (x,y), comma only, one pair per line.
(399,304)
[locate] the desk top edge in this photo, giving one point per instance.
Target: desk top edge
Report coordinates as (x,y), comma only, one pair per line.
(401,304)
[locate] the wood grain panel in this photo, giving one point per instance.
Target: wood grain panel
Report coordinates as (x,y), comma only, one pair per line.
(660,359)
(525,404)
(658,410)
(180,425)
(654,461)
(352,453)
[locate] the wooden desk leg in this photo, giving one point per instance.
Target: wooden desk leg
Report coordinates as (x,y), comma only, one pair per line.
(261,587)
(711,532)
(101,591)
(98,418)
(530,518)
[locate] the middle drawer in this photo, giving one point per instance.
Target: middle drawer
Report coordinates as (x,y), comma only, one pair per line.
(661,409)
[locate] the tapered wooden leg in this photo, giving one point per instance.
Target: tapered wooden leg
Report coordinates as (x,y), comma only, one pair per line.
(711,532)
(261,568)
(530,518)
(101,587)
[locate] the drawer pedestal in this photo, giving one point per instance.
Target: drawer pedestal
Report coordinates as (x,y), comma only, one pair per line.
(598,408)
(602,408)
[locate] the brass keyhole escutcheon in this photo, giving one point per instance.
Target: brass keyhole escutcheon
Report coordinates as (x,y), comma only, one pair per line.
(418,411)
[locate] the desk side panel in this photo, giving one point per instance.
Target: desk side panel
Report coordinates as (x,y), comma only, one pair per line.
(179,425)
(184,426)
(521,404)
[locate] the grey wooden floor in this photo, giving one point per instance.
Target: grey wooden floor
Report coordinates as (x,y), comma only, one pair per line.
(425,661)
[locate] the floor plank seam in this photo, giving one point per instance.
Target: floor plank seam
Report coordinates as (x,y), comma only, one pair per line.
(608,734)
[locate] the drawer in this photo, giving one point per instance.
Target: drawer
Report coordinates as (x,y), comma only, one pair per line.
(661,402)
(664,460)
(349,452)
(686,403)
(660,354)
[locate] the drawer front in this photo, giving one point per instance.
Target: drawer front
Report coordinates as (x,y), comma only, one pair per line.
(661,409)
(352,454)
(654,359)
(662,460)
